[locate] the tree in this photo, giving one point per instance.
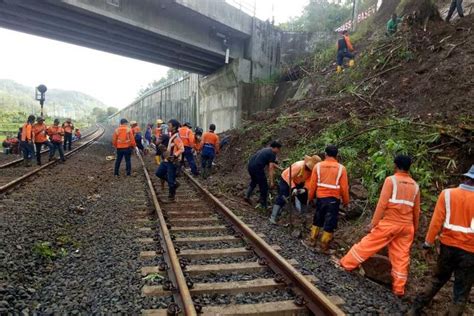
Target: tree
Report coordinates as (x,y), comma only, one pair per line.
(111,110)
(99,114)
(171,74)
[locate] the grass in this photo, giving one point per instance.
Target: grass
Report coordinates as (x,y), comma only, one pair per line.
(368,156)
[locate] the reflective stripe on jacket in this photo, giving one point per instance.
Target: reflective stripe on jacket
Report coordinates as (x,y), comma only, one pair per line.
(329,179)
(395,199)
(175,146)
(123,137)
(187,136)
(299,174)
(454,217)
(399,201)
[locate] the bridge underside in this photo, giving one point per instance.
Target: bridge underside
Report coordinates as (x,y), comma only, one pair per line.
(57,21)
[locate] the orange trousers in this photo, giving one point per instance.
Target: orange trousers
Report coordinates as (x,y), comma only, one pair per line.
(398,237)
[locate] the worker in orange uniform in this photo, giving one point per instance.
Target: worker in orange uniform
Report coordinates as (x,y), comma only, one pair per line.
(56,134)
(40,135)
(344,50)
(161,129)
(210,148)
(329,184)
(168,167)
(137,134)
(300,176)
(77,134)
(393,224)
(453,219)
(124,142)
(68,128)
(187,136)
(26,143)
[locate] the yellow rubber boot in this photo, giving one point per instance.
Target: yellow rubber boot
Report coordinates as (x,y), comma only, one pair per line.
(325,239)
(157,160)
(339,69)
(351,63)
(313,235)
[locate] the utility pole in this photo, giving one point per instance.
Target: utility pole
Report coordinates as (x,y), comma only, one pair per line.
(355,14)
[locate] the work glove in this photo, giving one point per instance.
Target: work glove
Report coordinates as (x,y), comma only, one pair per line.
(297,191)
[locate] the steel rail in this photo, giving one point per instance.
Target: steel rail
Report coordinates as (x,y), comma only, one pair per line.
(314,299)
(19,160)
(181,293)
(97,134)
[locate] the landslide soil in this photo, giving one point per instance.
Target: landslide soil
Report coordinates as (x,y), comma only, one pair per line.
(434,86)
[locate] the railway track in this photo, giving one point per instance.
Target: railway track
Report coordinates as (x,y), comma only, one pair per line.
(12,173)
(43,153)
(209,253)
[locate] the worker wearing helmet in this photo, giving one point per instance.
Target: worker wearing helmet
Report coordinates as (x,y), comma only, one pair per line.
(167,169)
(293,181)
(161,128)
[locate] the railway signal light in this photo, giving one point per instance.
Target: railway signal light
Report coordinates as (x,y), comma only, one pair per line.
(40,95)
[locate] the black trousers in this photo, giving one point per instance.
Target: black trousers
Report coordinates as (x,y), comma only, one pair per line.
(259,178)
(67,141)
(451,260)
(327,212)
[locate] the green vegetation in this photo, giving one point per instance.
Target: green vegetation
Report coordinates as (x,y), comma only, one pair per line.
(367,149)
(152,277)
(171,74)
(45,250)
(15,97)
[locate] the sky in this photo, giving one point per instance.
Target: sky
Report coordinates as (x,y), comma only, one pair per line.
(114,80)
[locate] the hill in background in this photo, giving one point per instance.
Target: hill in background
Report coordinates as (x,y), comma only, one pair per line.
(59,103)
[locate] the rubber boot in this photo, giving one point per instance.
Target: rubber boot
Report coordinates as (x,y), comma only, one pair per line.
(351,63)
(325,239)
(158,160)
(313,236)
(275,212)
(338,69)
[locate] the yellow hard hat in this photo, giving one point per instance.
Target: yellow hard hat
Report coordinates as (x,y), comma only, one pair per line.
(133,122)
(159,121)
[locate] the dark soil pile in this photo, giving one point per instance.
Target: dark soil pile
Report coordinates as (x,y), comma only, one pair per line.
(429,80)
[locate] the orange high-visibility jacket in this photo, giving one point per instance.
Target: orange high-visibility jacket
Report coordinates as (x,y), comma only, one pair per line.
(299,174)
(329,179)
(26,133)
(187,136)
(175,146)
(123,137)
(212,139)
(399,201)
(68,127)
(454,217)
(136,130)
(40,132)
(56,133)
(349,46)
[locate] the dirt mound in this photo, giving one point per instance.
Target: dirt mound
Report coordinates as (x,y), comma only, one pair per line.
(422,77)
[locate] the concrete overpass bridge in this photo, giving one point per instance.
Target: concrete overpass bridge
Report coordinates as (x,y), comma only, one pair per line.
(192,35)
(223,47)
